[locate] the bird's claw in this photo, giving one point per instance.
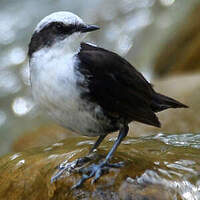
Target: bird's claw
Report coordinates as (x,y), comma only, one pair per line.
(68,167)
(95,171)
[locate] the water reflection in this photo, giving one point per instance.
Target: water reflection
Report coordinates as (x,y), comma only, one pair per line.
(16,56)
(167,2)
(20,163)
(185,189)
(129,5)
(6,29)
(175,170)
(188,139)
(21,105)
(14,156)
(9,83)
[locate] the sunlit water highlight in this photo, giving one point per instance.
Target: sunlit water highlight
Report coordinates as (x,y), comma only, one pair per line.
(157,160)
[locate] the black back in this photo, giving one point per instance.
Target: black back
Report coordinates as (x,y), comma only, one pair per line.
(116,85)
(119,88)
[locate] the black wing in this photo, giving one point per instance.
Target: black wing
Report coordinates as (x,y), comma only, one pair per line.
(116,85)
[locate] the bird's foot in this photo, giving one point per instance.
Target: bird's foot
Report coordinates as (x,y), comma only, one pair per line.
(68,167)
(95,171)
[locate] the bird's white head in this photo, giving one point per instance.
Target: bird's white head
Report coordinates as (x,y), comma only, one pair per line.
(59,28)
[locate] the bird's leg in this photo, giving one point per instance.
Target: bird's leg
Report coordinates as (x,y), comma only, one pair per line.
(103,167)
(83,160)
(97,143)
(70,166)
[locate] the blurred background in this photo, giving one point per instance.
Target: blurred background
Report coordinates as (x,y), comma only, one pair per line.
(161,38)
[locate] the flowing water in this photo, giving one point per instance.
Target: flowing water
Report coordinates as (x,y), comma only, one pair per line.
(162,166)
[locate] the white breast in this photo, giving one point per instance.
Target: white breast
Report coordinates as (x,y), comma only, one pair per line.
(54,87)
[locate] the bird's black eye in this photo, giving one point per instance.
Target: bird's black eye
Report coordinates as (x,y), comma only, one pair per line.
(65,29)
(58,26)
(69,29)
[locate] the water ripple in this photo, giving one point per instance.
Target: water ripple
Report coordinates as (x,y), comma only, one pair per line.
(184,188)
(188,139)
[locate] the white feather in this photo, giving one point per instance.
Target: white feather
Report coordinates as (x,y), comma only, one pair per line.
(54,87)
(62,16)
(54,81)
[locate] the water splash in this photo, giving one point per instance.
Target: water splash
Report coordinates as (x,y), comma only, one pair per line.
(188,139)
(185,189)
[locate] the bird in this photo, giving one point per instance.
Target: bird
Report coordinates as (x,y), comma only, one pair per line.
(88,89)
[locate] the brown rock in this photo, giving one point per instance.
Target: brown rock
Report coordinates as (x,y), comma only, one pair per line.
(133,191)
(181,53)
(153,170)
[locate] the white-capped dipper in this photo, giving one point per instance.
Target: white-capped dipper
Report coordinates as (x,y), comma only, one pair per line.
(87,89)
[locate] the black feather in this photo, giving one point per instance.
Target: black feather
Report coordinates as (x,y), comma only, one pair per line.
(161,102)
(119,88)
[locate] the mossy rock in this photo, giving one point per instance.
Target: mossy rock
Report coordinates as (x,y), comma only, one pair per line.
(157,167)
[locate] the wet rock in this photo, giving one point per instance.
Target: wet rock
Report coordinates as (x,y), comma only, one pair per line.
(186,89)
(155,167)
(181,53)
(134,191)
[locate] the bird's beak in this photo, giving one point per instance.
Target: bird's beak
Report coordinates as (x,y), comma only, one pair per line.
(89,28)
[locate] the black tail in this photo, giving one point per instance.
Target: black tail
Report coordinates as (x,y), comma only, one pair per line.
(161,102)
